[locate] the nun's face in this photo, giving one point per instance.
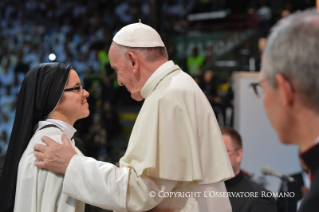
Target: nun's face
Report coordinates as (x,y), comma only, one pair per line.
(73,104)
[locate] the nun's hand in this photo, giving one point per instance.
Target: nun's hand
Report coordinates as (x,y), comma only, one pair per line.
(54,157)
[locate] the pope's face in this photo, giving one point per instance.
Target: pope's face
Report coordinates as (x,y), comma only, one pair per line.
(125,73)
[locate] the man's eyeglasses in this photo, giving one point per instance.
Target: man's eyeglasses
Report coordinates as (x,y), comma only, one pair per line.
(79,88)
(231,150)
(256,89)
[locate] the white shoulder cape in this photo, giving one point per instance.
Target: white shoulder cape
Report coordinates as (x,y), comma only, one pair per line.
(176,135)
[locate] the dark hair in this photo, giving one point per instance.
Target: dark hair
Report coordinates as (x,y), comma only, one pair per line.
(235,137)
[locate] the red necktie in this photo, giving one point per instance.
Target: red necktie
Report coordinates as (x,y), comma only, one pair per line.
(310,176)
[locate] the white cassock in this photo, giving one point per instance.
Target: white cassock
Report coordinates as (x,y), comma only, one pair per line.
(175,146)
(39,190)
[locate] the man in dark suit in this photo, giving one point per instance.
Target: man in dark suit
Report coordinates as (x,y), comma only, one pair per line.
(259,202)
(289,80)
(2,157)
(299,187)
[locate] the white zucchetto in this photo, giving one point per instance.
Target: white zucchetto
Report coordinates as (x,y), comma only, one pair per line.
(138,35)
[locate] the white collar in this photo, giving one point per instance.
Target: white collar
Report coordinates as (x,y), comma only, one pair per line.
(306,180)
(159,71)
(65,127)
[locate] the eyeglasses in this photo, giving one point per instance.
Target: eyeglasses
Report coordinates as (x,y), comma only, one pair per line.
(232,150)
(79,88)
(256,89)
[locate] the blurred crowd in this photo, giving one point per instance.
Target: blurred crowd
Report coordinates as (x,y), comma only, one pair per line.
(79,33)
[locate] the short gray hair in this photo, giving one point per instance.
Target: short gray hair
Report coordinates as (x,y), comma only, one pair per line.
(292,50)
(149,54)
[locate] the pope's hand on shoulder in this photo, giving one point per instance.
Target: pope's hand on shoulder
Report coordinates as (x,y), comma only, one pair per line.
(54,156)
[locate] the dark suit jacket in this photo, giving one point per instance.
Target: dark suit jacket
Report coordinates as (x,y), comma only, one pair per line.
(310,203)
(2,157)
(261,203)
(291,203)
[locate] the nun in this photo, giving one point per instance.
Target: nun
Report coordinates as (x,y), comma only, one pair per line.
(50,101)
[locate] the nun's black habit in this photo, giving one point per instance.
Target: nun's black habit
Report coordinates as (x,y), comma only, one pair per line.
(40,92)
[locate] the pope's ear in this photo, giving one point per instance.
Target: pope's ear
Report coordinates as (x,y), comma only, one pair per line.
(134,62)
(132,58)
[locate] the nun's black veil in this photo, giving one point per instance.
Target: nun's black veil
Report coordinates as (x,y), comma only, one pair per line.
(40,92)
